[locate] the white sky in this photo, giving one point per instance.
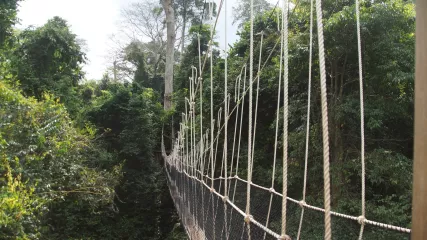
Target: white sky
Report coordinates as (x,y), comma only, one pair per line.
(94,21)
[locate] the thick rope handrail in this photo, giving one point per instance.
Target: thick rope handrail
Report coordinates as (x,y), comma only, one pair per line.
(285,117)
(324,100)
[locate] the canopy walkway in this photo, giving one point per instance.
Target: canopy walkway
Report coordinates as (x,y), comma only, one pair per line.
(213,200)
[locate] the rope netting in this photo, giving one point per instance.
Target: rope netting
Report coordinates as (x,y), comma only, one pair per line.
(203,169)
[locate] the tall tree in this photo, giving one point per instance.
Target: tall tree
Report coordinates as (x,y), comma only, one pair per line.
(242,11)
(170,52)
(48,58)
(8,11)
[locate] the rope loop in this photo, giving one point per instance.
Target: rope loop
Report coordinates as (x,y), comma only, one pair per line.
(285,237)
(248,218)
(361,220)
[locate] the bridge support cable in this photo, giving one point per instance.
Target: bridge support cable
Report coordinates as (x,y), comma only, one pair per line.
(214,202)
(324,103)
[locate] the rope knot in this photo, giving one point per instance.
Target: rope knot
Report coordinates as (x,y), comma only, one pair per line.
(302,203)
(361,220)
(212,190)
(271,190)
(225,199)
(200,79)
(248,218)
(285,237)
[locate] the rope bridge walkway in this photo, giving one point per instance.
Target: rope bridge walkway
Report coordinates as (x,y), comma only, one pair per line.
(213,201)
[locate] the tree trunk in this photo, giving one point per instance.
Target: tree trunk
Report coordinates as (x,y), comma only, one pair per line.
(184,19)
(170,51)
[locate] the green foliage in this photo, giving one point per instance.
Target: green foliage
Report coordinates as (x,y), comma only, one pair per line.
(8,10)
(49,58)
(129,122)
(44,161)
(241,11)
(92,170)
(87,171)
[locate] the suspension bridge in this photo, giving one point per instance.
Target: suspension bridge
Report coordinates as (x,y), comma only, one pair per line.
(214,199)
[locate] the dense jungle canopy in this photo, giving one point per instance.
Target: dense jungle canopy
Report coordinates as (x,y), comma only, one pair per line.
(79,158)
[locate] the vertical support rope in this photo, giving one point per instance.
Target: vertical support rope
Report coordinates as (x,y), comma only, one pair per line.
(307,135)
(212,115)
(362,121)
(225,104)
(285,118)
(218,122)
(280,29)
(236,96)
(257,95)
(251,66)
(241,122)
(324,100)
(200,54)
(278,104)
(240,131)
(187,154)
